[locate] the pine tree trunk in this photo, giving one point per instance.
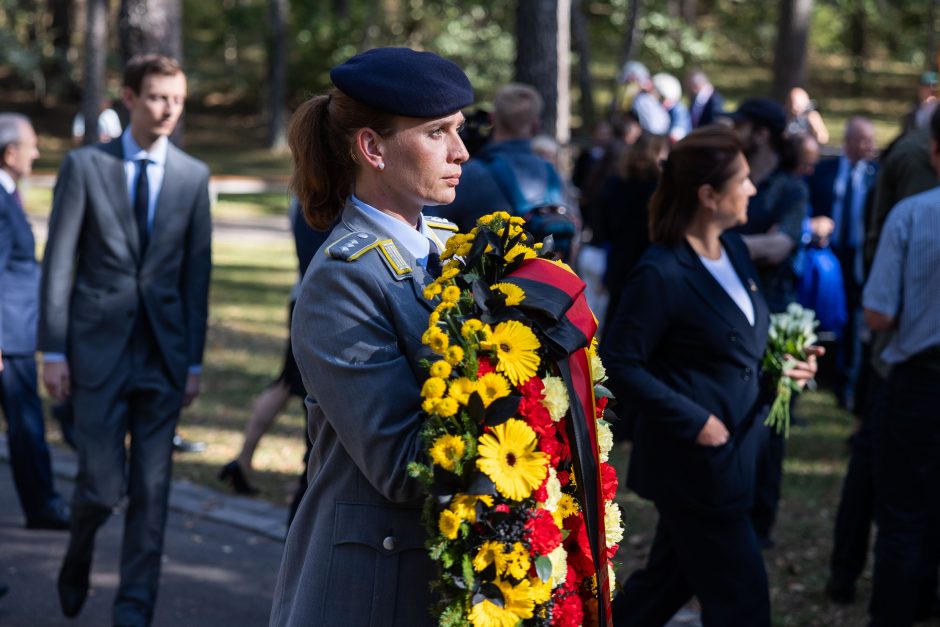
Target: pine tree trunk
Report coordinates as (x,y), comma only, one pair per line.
(582,45)
(96,50)
(790,51)
(537,54)
(277,75)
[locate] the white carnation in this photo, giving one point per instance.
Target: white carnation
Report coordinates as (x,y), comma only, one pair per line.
(559,558)
(553,489)
(598,372)
(555,397)
(613,525)
(605,439)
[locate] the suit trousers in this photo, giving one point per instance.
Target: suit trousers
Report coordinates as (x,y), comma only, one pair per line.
(26,437)
(716,559)
(768,483)
(140,399)
(907,491)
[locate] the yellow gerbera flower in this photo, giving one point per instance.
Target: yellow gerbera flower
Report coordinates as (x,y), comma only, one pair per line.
(440,369)
(492,386)
(519,250)
(508,457)
(461,389)
(454,355)
(465,506)
(488,614)
(514,293)
(432,290)
(540,591)
(517,561)
(451,294)
(515,346)
(446,407)
(434,387)
(449,524)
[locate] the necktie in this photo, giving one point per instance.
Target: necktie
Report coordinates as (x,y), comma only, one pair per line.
(142,204)
(845,227)
(434,263)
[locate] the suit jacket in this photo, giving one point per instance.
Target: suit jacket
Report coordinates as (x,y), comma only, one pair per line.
(822,185)
(95,278)
(679,350)
(355,552)
(714,107)
(19,280)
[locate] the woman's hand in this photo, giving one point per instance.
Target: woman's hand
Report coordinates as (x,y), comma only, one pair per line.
(802,372)
(714,433)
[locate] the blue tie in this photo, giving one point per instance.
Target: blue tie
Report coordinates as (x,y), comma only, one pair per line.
(845,229)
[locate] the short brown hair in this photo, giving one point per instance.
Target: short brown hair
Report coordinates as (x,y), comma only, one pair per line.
(516,109)
(320,136)
(641,160)
(143,65)
(706,156)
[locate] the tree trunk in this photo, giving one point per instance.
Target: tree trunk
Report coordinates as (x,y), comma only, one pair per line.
(582,45)
(537,51)
(277,75)
(790,53)
(96,50)
(933,57)
(626,51)
(150,26)
(57,69)
(341,9)
(688,10)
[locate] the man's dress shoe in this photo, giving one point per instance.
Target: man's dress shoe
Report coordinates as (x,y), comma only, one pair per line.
(73,585)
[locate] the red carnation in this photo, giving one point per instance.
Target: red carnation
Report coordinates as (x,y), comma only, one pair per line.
(612,551)
(502,508)
(540,494)
(599,406)
(537,417)
(578,547)
(568,612)
(564,478)
(485,367)
(541,532)
(609,481)
(532,388)
(551,447)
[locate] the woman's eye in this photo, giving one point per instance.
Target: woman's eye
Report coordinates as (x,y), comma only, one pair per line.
(436,132)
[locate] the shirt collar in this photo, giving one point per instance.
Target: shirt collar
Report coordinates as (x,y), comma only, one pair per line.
(133,152)
(7,182)
(415,241)
(704,94)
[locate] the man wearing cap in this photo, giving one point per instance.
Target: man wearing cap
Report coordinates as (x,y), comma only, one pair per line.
(123,314)
(19,306)
(919,115)
(773,230)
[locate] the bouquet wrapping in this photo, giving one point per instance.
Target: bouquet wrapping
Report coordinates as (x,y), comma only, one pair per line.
(520,512)
(789,334)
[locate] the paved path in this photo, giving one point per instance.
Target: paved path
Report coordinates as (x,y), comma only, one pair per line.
(220,564)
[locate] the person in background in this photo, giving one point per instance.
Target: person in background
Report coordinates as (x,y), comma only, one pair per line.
(670,91)
(123,313)
(803,117)
(772,234)
(371,153)
(30,461)
(624,219)
(706,105)
(645,104)
(903,293)
(109,124)
(919,115)
(685,347)
(839,189)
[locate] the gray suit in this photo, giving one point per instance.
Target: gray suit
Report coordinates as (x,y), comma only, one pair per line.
(130,325)
(355,552)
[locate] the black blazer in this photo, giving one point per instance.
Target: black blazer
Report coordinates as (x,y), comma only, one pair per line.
(19,280)
(680,349)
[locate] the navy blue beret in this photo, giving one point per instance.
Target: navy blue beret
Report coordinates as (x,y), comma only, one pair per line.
(404,82)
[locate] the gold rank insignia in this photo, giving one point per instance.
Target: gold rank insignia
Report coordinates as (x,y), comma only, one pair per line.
(393,257)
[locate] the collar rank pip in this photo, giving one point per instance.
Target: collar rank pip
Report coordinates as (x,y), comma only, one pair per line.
(355,245)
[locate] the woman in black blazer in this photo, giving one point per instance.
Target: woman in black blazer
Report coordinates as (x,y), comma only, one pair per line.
(684,351)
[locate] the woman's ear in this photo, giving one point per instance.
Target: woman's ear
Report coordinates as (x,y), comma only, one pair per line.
(370,149)
(708,197)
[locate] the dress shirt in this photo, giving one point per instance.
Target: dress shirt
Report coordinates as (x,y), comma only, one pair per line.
(904,282)
(155,170)
(856,177)
(416,241)
(7,182)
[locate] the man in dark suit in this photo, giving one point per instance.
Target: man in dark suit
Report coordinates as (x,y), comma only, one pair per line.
(19,307)
(706,104)
(123,313)
(838,192)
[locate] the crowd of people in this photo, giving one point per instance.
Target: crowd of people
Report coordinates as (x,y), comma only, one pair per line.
(692,225)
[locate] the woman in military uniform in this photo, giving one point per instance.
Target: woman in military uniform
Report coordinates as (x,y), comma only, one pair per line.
(372,151)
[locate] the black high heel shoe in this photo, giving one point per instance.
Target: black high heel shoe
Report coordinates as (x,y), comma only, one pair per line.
(232,474)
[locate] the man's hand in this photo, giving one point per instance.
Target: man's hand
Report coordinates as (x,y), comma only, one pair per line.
(192,388)
(714,433)
(822,228)
(56,378)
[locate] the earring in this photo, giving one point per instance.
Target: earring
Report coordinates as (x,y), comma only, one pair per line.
(381,166)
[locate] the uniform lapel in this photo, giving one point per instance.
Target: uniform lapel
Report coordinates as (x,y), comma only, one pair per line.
(113,177)
(747,272)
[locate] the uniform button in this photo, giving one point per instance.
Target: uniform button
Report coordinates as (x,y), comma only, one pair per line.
(388,543)
(747,374)
(733,337)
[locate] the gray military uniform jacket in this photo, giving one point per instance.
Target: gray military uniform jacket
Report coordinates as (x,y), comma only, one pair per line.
(355,552)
